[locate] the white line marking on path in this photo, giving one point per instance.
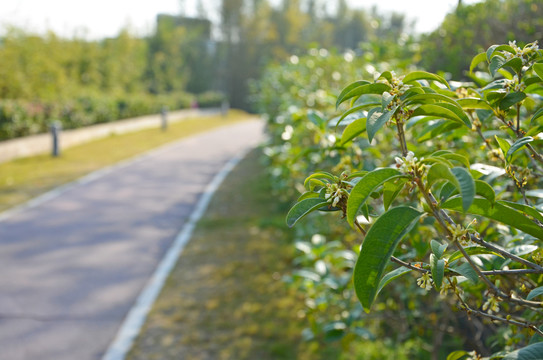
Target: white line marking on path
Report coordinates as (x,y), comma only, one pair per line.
(135,319)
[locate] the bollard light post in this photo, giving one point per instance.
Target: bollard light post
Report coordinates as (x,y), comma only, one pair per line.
(164,118)
(56,127)
(225,106)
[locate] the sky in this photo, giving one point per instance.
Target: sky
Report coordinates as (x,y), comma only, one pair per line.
(105,18)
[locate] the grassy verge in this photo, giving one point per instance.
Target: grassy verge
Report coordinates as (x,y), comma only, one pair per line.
(225,298)
(23,179)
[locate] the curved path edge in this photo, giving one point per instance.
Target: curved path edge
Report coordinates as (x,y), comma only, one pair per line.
(137,315)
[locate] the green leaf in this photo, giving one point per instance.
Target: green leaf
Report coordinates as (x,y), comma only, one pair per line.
(467,271)
(485,190)
(459,354)
(495,48)
(357,174)
(521,250)
(538,68)
(537,115)
(437,267)
(394,274)
(412,92)
(525,209)
(423,75)
(437,248)
(348,89)
(352,130)
(515,64)
(354,110)
(479,58)
(438,160)
(364,88)
(386,99)
(530,352)
(319,175)
(538,291)
(363,189)
(391,189)
(304,207)
(532,80)
(458,111)
(466,186)
(430,99)
(517,145)
(386,75)
(495,64)
(437,128)
(498,212)
(472,250)
(437,110)
(308,195)
(447,190)
(490,52)
(315,118)
(439,172)
(377,248)
(375,123)
(473,103)
(496,84)
(503,144)
(511,99)
(495,96)
(447,154)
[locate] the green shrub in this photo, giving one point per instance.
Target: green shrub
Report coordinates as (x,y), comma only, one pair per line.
(22,117)
(410,163)
(457,183)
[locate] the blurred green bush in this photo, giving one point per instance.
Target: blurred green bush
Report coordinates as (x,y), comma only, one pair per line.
(25,117)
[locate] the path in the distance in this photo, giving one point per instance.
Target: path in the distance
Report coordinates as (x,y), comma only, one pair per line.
(72,266)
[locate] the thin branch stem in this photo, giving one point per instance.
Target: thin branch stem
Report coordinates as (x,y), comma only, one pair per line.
(360,228)
(471,311)
(526,325)
(408,265)
(485,140)
(401,137)
(511,272)
(482,276)
(505,253)
(519,133)
(518,115)
(481,242)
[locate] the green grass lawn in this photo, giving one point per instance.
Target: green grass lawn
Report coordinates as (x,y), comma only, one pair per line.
(23,179)
(225,299)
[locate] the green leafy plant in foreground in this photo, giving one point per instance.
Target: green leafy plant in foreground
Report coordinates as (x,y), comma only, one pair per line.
(466,177)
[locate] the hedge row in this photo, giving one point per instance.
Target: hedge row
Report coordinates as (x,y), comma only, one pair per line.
(23,117)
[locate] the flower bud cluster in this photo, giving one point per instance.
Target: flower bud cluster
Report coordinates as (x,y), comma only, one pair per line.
(492,305)
(520,178)
(397,85)
(526,54)
(335,194)
(410,163)
(425,281)
(461,234)
(514,85)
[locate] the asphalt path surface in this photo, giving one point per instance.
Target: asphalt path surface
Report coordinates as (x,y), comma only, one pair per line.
(72,266)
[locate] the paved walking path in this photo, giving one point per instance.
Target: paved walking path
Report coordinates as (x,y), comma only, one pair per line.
(72,266)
